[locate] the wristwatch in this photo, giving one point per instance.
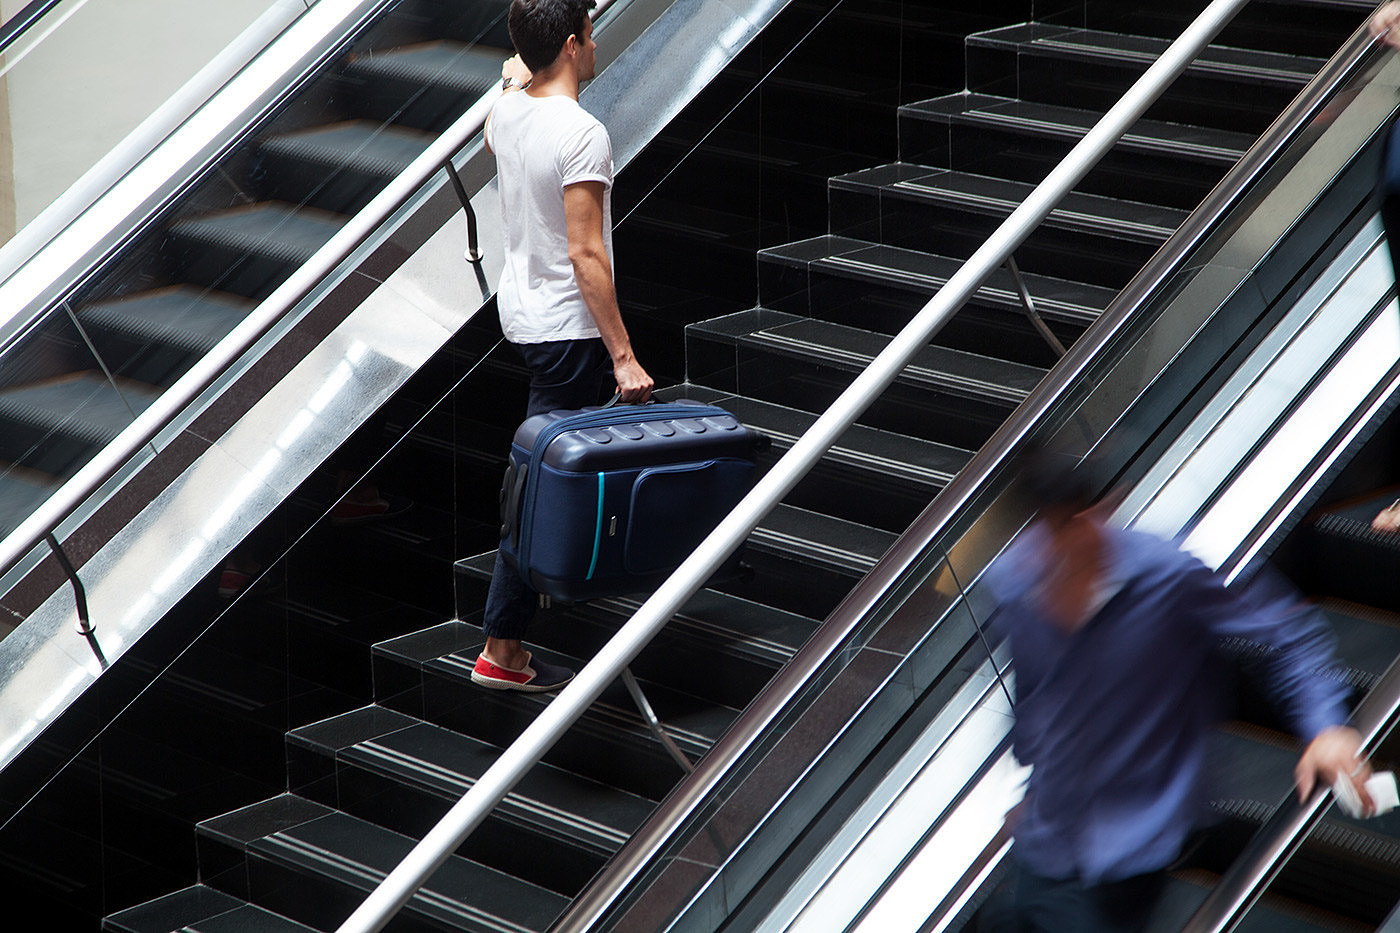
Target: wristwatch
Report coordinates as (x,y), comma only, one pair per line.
(509,82)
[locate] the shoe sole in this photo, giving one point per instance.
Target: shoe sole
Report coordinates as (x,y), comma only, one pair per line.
(493,683)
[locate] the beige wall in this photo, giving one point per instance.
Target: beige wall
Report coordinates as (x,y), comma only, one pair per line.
(87,85)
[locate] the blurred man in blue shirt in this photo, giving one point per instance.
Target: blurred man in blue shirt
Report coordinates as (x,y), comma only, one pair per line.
(1114,639)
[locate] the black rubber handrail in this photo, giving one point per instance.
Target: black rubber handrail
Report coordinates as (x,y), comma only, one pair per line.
(23,21)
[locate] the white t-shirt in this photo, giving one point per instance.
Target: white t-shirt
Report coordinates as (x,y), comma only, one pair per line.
(541,146)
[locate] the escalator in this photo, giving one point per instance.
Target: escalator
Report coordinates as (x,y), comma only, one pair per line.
(140,316)
(372,756)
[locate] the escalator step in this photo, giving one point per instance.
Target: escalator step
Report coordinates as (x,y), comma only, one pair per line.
(199,909)
(554,829)
(466,69)
(274,230)
(340,167)
(1368,639)
(84,406)
(372,148)
(1351,560)
(20,491)
(190,318)
(316,864)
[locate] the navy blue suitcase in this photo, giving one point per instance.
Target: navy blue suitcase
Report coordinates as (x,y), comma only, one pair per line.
(607,501)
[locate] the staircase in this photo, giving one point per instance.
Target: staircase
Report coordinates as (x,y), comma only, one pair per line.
(854,222)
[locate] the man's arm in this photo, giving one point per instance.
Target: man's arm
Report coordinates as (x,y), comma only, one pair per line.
(1383,22)
(583,213)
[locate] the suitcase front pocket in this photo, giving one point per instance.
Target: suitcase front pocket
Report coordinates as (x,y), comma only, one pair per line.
(673,508)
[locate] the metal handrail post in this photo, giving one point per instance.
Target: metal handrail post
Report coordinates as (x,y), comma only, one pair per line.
(434,849)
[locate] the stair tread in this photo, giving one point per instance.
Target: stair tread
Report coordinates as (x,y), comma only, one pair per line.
(1256,64)
(306,836)
(469,68)
(191,318)
(887,452)
(1055,299)
(739,625)
(199,909)
(957,370)
(1155,136)
(85,405)
(273,228)
(449,763)
(1149,223)
(361,144)
(450,650)
(840,544)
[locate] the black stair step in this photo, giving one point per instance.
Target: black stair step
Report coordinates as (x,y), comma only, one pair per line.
(316,864)
(945,395)
(994,112)
(555,829)
(971,374)
(710,623)
(428,674)
(192,319)
(1023,140)
(1233,88)
(1257,65)
(1298,27)
(1103,240)
(835,545)
(250,250)
(425,86)
(342,166)
(908,459)
(920,274)
(199,909)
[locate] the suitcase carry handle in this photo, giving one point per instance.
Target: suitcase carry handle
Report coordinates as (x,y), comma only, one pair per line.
(512,505)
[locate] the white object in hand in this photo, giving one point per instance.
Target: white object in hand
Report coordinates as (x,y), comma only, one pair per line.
(1381,787)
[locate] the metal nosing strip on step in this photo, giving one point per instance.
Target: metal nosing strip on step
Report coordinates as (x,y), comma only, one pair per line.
(1071,312)
(757,644)
(841,557)
(634,724)
(859,360)
(1070,131)
(611,838)
(344,863)
(374,876)
(876,462)
(1200,64)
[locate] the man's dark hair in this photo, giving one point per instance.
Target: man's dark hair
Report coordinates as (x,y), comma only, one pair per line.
(539,28)
(1048,479)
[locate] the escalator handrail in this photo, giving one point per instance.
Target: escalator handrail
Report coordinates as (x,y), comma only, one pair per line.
(23,21)
(144,429)
(1375,717)
(516,760)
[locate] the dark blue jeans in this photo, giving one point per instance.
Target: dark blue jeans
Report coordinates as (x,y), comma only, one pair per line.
(564,374)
